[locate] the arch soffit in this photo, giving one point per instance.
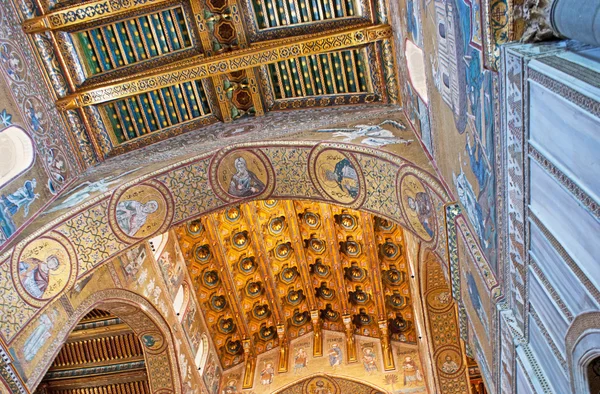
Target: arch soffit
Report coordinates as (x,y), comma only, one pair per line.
(328,377)
(188,191)
(133,309)
(581,340)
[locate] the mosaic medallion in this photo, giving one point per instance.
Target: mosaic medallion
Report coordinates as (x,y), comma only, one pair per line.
(449,361)
(44,268)
(337,175)
(418,207)
(141,211)
(241,174)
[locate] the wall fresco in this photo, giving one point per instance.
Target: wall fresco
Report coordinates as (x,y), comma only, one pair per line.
(462,97)
(408,377)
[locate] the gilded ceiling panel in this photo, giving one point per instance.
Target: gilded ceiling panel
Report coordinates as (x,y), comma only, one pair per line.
(270,271)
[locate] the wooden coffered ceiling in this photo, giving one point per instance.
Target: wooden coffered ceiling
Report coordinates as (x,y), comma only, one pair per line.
(101,355)
(267,272)
(133,72)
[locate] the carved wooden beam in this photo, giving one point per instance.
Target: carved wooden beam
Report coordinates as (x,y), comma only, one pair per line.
(332,242)
(99,332)
(264,261)
(298,246)
(79,14)
(373,260)
(226,276)
(264,265)
(200,67)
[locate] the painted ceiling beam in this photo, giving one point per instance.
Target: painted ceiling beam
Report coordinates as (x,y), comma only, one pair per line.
(200,67)
(373,261)
(115,379)
(80,14)
(226,276)
(337,266)
(298,246)
(264,263)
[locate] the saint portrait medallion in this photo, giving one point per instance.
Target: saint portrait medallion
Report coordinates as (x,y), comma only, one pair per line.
(44,268)
(418,207)
(141,211)
(337,175)
(241,174)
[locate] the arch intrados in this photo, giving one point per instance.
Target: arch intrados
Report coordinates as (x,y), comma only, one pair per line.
(283,389)
(398,163)
(108,300)
(581,342)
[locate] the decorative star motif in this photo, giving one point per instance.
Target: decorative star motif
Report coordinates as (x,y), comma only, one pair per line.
(5,118)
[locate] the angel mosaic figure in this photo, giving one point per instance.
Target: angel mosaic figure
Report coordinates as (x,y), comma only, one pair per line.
(372,135)
(411,372)
(22,197)
(132,215)
(244,183)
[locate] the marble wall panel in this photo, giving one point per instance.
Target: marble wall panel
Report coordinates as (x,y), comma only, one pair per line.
(567,220)
(567,135)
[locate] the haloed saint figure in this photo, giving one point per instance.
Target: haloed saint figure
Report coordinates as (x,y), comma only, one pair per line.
(132,215)
(35,274)
(244,183)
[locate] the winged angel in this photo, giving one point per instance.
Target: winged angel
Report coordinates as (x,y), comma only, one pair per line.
(372,135)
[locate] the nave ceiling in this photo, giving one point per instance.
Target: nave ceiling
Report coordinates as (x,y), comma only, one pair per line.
(128,75)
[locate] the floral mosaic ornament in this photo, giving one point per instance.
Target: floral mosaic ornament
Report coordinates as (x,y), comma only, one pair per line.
(44,268)
(5,118)
(141,211)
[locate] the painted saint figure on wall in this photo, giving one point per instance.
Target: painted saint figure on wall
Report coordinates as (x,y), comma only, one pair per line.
(132,215)
(35,274)
(335,356)
(344,174)
(40,335)
(411,372)
(266,375)
(421,205)
(369,360)
(300,360)
(244,183)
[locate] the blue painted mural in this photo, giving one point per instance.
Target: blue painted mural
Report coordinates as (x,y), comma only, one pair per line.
(468,90)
